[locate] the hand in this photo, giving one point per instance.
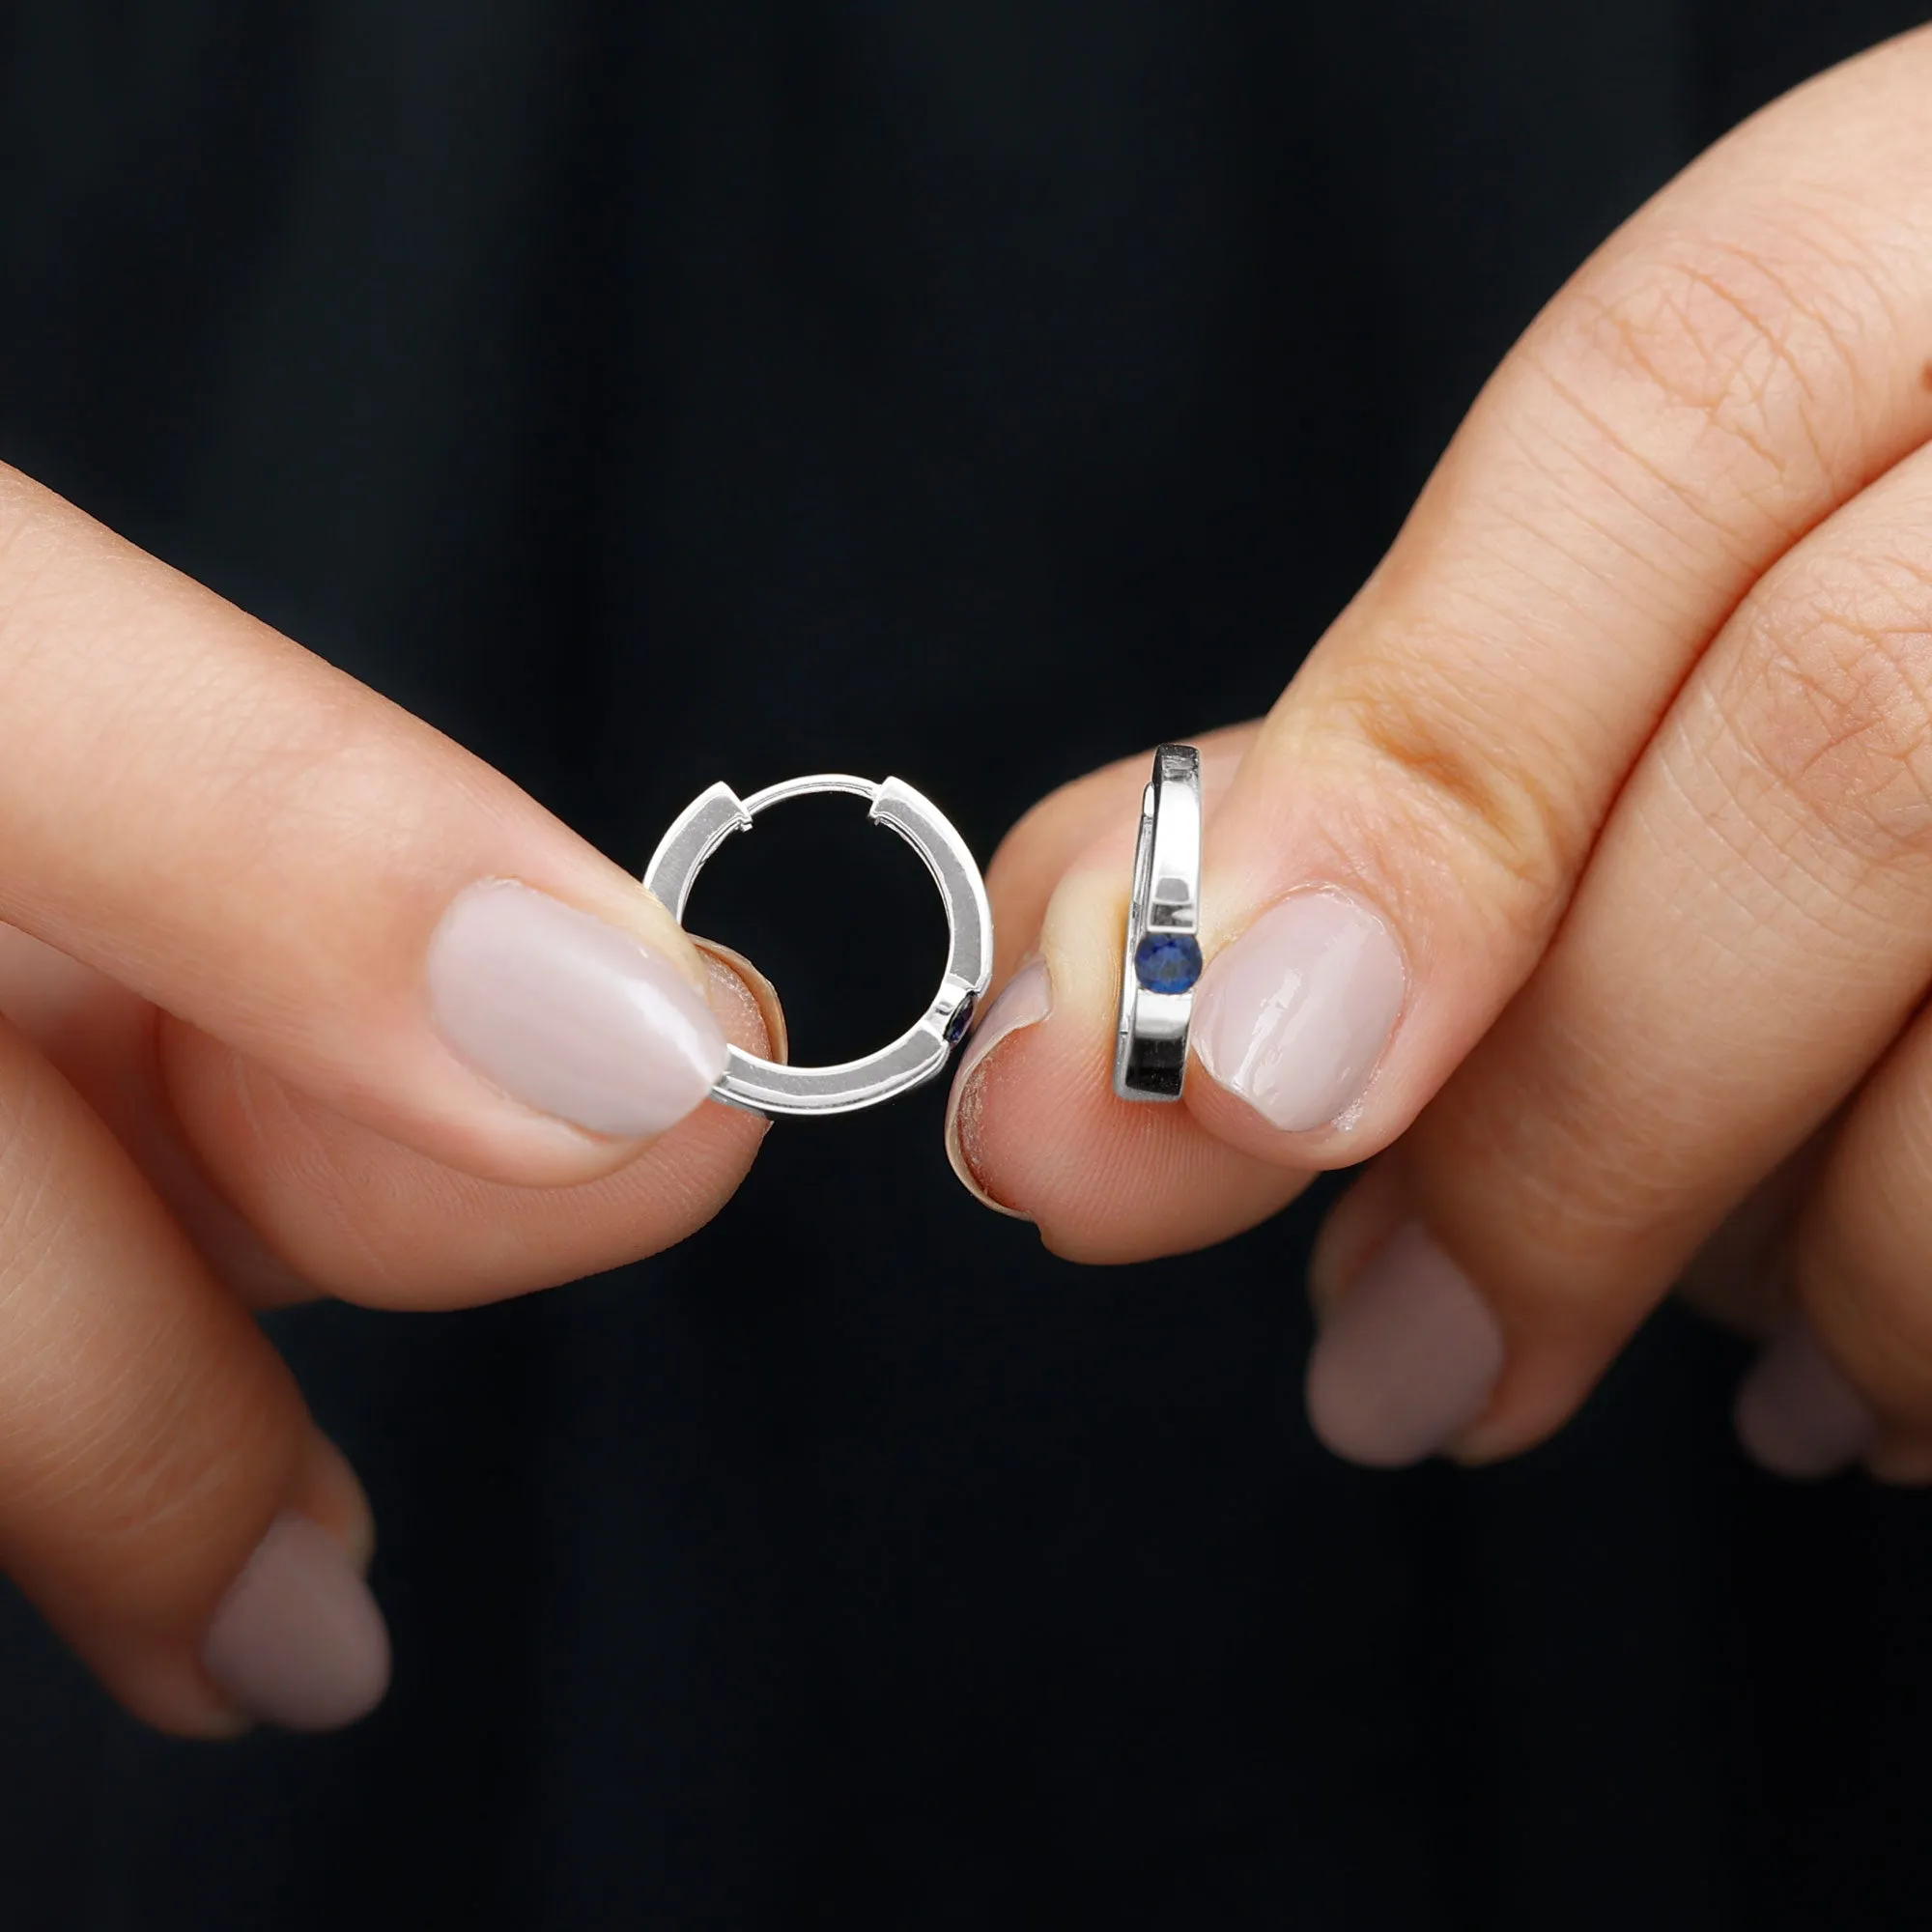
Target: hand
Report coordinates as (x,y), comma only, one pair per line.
(295,997)
(1586,864)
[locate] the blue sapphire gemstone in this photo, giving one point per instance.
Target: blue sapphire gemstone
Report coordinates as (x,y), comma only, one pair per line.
(962,1018)
(1166,962)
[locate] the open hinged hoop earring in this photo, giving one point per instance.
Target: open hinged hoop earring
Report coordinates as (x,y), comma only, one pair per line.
(1163,951)
(922,1051)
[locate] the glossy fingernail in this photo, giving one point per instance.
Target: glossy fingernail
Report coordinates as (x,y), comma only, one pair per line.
(1026,999)
(1294,1016)
(1797,1415)
(568,1014)
(1406,1358)
(298,1641)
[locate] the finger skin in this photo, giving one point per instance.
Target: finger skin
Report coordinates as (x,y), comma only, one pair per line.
(1105,1180)
(1742,358)
(345,1212)
(333,1207)
(261,846)
(103,1041)
(1081,1167)
(1741,1275)
(1755,930)
(1861,1260)
(151,1434)
(1067,825)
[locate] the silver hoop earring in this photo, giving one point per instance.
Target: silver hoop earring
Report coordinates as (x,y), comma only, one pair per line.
(922,1051)
(1163,953)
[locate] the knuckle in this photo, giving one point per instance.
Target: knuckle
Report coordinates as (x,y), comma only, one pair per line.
(1831,703)
(1723,360)
(1465,783)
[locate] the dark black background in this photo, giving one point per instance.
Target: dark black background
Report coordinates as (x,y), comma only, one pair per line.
(977,390)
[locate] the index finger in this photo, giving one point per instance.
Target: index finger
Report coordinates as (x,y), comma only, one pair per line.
(265,848)
(1388,867)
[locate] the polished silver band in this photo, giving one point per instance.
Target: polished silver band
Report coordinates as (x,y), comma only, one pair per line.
(763,1086)
(1162,958)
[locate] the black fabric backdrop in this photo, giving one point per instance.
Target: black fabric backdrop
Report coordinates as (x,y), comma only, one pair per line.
(656,393)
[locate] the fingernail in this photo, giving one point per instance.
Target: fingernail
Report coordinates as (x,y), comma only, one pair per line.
(1797,1415)
(568,1014)
(1294,1016)
(1407,1360)
(1026,999)
(298,1641)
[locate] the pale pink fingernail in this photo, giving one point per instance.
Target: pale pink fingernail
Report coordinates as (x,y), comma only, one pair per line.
(1797,1415)
(1407,1360)
(298,1641)
(1294,1016)
(1026,999)
(568,1014)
